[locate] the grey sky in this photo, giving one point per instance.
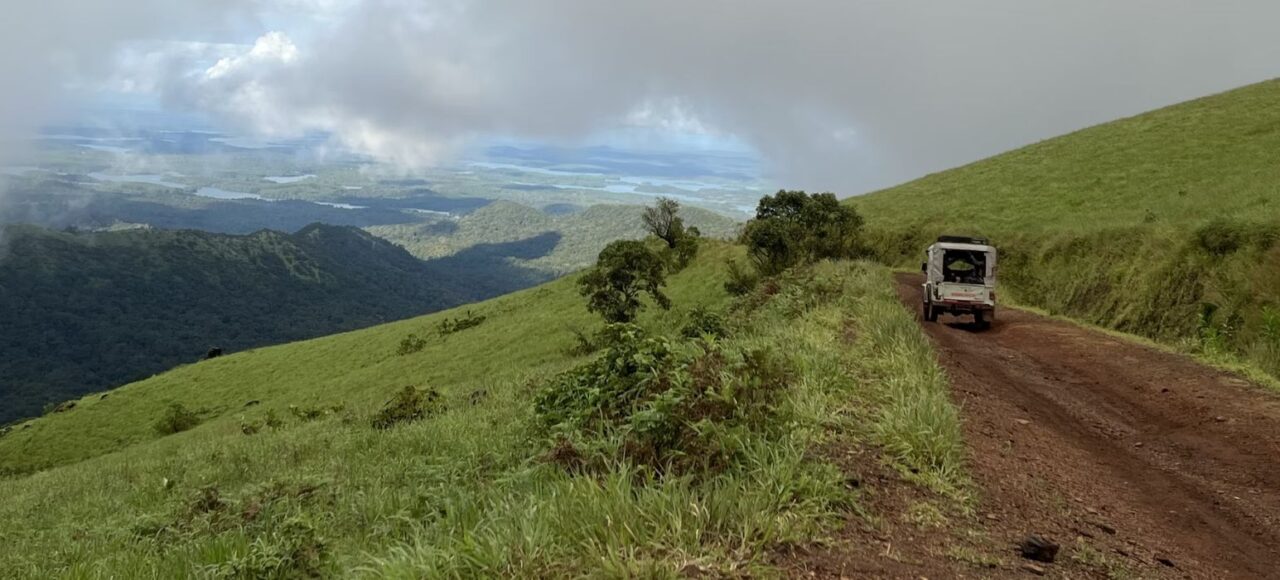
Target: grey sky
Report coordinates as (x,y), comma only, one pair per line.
(836,94)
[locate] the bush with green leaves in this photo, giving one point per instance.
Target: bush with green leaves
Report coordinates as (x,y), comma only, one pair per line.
(411,344)
(624,271)
(793,227)
(176,419)
(685,250)
(704,322)
(742,280)
(409,404)
(668,406)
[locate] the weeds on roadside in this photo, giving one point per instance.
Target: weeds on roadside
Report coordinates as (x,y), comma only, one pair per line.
(671,406)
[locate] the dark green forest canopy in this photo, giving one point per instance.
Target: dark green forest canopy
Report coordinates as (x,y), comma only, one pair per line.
(86,311)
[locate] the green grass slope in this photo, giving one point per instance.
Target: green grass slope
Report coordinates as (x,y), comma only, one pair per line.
(470,492)
(1182,165)
(1164,224)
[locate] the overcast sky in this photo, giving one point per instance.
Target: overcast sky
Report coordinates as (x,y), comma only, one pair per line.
(841,95)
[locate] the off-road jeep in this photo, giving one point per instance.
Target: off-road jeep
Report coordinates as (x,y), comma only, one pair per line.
(960,278)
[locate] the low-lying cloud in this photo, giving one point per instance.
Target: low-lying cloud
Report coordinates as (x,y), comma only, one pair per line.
(835,94)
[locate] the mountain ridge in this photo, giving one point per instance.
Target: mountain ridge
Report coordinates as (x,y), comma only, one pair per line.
(85,311)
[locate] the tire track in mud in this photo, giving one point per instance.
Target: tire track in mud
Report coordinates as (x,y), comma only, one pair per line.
(1163,464)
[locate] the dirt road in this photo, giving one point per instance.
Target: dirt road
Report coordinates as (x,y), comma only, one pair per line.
(1165,466)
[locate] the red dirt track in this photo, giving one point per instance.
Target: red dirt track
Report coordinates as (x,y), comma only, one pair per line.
(1166,466)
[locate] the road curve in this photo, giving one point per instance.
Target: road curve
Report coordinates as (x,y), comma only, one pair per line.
(1161,463)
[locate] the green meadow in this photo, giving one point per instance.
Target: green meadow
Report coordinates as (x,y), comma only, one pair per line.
(285,475)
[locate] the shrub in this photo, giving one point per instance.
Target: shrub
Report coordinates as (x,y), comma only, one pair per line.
(741,280)
(411,344)
(685,250)
(409,404)
(703,322)
(673,407)
(624,270)
(176,420)
(1221,237)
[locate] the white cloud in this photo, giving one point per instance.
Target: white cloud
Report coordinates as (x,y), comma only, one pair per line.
(272,48)
(835,94)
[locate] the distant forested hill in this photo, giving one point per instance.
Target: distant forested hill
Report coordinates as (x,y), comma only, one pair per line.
(81,312)
(581,232)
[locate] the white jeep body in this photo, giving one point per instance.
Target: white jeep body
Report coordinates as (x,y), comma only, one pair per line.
(960,278)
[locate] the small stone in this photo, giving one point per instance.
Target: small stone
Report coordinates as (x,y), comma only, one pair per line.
(1166,562)
(1220,419)
(1023,422)
(1105,527)
(1091,510)
(992,517)
(1036,569)
(1164,390)
(1038,548)
(1138,444)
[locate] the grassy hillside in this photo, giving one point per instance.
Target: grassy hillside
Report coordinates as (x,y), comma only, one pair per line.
(579,235)
(1183,165)
(1164,224)
(87,311)
(477,489)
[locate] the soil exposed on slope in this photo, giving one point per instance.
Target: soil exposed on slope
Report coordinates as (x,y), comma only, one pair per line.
(1128,456)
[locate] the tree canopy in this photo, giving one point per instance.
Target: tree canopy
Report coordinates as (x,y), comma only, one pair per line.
(625,270)
(793,227)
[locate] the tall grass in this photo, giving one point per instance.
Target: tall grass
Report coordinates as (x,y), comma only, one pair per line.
(1210,290)
(466,492)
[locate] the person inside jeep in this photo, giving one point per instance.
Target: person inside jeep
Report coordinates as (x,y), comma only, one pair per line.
(963,267)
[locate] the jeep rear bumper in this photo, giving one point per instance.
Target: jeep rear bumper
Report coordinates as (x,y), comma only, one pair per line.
(954,306)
